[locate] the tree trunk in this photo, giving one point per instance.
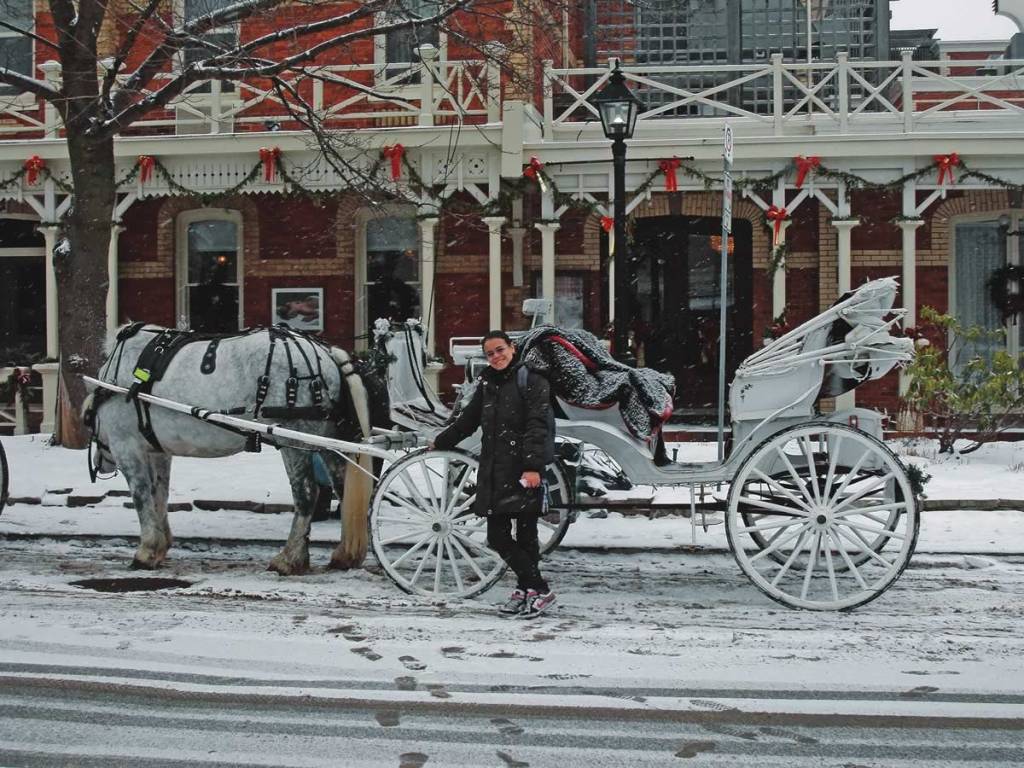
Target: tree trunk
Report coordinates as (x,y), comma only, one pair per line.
(80,262)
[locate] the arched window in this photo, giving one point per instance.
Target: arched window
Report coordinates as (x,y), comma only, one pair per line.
(22,286)
(388,267)
(209,270)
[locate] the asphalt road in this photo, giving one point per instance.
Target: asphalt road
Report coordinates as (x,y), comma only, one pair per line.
(48,721)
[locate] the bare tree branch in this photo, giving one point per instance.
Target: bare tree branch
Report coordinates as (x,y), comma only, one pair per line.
(29,84)
(29,34)
(128,44)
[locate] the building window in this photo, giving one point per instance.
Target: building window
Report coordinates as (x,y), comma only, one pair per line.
(16,48)
(397,49)
(210,44)
(980,247)
(209,270)
(391,276)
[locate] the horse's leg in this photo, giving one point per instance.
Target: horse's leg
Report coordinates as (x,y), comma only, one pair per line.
(354,493)
(294,558)
(160,469)
(136,464)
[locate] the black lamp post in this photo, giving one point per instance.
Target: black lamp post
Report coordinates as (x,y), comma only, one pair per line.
(618,108)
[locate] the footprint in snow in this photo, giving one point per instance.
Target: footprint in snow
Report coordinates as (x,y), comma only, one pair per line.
(510,761)
(405,683)
(693,748)
(506,727)
(412,760)
(438,691)
(367,653)
(412,663)
(387,719)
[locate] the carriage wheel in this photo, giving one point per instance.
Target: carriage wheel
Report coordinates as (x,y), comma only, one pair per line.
(822,516)
(3,478)
(425,535)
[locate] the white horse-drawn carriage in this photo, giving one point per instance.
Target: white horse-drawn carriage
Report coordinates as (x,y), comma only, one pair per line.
(819,513)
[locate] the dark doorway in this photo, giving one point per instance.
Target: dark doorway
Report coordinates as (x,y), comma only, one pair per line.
(677,301)
(22,291)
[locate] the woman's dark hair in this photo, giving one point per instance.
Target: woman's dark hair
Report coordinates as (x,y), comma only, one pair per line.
(496,334)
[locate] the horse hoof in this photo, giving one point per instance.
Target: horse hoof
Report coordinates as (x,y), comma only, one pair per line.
(143,565)
(284,568)
(344,562)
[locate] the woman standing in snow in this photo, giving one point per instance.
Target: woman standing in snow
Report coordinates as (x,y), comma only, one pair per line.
(513,410)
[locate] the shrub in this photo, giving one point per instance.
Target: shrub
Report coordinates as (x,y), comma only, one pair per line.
(981,400)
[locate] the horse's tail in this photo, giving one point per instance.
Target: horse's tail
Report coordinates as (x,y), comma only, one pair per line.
(355,504)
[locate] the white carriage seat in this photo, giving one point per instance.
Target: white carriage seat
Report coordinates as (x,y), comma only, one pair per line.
(414,404)
(786,377)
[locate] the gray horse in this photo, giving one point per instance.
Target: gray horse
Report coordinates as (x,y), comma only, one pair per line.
(329,397)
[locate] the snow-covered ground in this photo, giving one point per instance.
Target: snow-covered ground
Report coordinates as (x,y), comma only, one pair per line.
(646,623)
(51,474)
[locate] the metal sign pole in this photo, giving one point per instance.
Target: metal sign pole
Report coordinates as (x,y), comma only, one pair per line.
(723,282)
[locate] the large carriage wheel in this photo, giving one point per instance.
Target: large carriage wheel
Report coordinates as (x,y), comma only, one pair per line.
(3,478)
(425,535)
(822,516)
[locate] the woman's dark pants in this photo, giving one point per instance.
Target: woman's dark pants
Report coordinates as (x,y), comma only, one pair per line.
(522,553)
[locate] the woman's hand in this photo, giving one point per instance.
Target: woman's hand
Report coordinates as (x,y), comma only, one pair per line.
(530,480)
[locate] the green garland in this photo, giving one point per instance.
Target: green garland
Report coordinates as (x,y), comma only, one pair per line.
(514,189)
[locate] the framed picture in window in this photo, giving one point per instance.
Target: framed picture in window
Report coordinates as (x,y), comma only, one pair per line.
(298,308)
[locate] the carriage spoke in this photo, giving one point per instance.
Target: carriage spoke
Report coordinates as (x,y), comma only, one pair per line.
(404,504)
(468,558)
(397,539)
(831,568)
(423,562)
(481,548)
(774,507)
(868,550)
(776,485)
(878,531)
(833,534)
(778,542)
(811,562)
(423,540)
(455,566)
(772,526)
(400,520)
(451,507)
(438,563)
(833,459)
(849,476)
(797,548)
(862,492)
(431,494)
(793,473)
(812,473)
(893,506)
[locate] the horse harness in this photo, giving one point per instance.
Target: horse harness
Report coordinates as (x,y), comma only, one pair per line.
(157,355)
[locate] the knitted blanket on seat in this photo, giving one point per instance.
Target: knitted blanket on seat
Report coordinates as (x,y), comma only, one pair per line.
(583,373)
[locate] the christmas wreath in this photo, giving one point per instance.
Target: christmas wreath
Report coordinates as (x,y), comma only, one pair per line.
(1009,303)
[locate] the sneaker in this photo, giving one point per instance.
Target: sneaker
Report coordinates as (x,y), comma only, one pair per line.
(537,603)
(515,603)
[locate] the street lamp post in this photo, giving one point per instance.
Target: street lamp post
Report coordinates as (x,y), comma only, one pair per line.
(618,108)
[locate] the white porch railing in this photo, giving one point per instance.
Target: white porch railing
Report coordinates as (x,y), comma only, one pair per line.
(355,96)
(904,96)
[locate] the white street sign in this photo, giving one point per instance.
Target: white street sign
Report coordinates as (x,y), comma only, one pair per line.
(728,143)
(727,200)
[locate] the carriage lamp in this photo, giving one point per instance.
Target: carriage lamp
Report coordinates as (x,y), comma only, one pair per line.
(618,107)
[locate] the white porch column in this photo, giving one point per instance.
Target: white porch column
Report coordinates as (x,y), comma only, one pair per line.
(112,274)
(48,373)
(50,242)
(844,227)
(908,283)
(427,261)
(494,224)
(547,243)
(516,234)
(779,277)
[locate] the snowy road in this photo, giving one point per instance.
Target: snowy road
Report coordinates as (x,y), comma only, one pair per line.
(650,658)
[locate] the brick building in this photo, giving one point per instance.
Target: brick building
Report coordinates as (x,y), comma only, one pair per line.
(463,250)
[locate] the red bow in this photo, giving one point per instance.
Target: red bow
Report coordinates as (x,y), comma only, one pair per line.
(269,157)
(607,222)
(146,164)
(668,167)
(533,170)
(32,168)
(803,165)
(23,376)
(776,215)
(394,154)
(946,164)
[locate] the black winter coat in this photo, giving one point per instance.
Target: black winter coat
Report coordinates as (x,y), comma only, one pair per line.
(516,433)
